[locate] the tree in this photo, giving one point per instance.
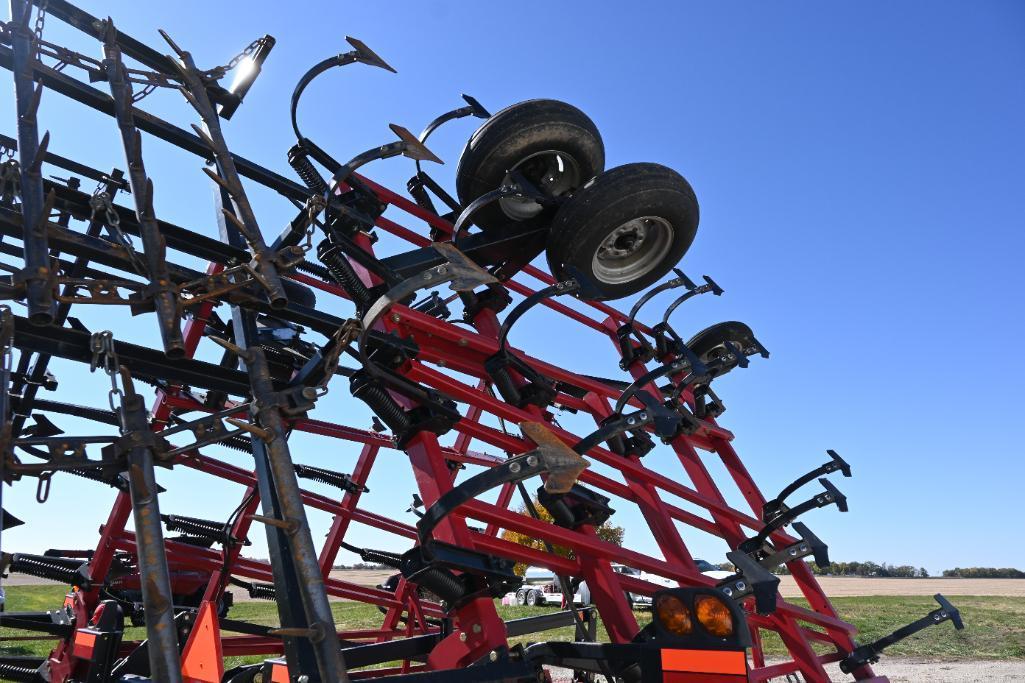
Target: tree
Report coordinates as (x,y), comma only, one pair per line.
(606,532)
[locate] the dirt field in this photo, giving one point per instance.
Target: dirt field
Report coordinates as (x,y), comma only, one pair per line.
(837,586)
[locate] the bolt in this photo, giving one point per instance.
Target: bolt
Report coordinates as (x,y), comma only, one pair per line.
(476,628)
(463,342)
(741,585)
(493,656)
(462,637)
(309,393)
(395,317)
(514,467)
(303,679)
(531,460)
(728,591)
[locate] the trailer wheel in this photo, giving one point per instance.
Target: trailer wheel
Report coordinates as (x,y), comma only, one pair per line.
(553,144)
(710,343)
(625,229)
(532,598)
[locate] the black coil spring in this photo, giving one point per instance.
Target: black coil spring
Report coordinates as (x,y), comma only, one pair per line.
(380,401)
(194,526)
(53,568)
(442,583)
(315,269)
(341,272)
(324,476)
(263,591)
(11,672)
(306,171)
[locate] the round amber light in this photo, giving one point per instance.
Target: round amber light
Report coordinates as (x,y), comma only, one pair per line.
(674,615)
(714,615)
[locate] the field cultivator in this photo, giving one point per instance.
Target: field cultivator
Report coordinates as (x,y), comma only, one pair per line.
(432,293)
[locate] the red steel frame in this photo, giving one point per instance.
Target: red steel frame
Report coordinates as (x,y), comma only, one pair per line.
(477,626)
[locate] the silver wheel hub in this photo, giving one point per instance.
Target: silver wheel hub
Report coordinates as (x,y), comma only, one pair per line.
(632,250)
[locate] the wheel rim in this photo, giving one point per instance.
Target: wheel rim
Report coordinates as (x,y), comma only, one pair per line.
(554,173)
(632,250)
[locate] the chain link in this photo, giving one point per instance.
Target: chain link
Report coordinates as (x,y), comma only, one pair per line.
(104,355)
(218,72)
(101,202)
(40,22)
(314,205)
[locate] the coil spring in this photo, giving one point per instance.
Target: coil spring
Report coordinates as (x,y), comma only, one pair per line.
(262,590)
(10,672)
(442,583)
(341,272)
(382,557)
(53,568)
(380,401)
(306,171)
(315,269)
(325,477)
(194,526)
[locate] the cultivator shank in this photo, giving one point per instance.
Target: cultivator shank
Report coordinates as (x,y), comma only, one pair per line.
(428,346)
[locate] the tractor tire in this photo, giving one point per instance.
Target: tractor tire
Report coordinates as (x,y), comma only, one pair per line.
(553,144)
(532,599)
(624,230)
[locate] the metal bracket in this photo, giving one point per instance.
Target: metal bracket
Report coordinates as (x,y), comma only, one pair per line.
(776,506)
(831,496)
(869,654)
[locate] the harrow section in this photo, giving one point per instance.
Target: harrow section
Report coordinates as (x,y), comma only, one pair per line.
(429,347)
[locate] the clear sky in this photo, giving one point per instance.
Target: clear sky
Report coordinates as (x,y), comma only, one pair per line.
(860,173)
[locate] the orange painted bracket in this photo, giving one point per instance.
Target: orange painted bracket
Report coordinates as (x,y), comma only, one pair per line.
(202,661)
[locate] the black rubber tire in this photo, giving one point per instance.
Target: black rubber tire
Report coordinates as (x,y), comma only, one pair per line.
(609,201)
(532,599)
(512,135)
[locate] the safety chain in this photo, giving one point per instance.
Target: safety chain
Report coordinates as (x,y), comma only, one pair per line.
(101,202)
(104,355)
(217,73)
(40,22)
(314,205)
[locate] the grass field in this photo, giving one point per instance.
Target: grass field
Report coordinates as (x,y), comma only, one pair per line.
(994,626)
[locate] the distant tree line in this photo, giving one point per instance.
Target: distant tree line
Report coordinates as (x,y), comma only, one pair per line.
(985,573)
(360,566)
(902,571)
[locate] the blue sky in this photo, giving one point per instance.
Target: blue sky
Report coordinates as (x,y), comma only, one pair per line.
(859,169)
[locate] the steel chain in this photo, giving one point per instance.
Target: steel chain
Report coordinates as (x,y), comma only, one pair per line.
(101,201)
(218,72)
(38,29)
(314,205)
(104,355)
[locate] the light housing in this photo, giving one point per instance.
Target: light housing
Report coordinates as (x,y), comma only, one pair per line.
(246,72)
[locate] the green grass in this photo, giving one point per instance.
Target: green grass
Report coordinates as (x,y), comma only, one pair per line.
(994,626)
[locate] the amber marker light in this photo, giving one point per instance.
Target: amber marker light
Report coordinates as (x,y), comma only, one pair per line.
(674,615)
(714,615)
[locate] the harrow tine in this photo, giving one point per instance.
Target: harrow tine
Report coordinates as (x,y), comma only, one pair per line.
(367,56)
